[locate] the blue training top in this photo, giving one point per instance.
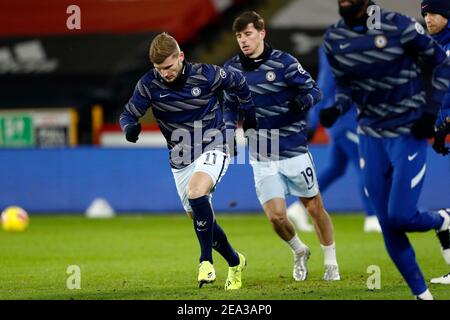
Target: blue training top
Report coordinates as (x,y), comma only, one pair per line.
(276,79)
(188,111)
(378,70)
(443,38)
(325,80)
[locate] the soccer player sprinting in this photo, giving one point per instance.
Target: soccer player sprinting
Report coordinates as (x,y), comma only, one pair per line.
(184,100)
(437,15)
(343,148)
(283,92)
(375,66)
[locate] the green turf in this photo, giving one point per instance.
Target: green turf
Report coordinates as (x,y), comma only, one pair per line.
(155,257)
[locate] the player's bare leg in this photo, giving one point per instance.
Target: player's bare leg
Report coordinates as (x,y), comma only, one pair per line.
(275,210)
(321,219)
(199,185)
(325,232)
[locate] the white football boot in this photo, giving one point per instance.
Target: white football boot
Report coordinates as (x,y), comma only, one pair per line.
(442,280)
(331,273)
(444,235)
(300,272)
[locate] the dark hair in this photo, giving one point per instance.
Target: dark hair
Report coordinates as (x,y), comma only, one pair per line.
(241,22)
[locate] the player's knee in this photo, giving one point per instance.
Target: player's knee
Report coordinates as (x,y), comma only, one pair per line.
(278,219)
(314,207)
(194,193)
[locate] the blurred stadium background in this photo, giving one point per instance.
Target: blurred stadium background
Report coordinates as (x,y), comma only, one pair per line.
(62,90)
(61,93)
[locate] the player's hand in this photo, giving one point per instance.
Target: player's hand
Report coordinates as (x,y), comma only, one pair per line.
(329,116)
(309,133)
(299,106)
(439,139)
(249,120)
(423,128)
(132,132)
(234,152)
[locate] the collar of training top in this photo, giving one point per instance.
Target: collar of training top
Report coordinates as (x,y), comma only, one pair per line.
(250,64)
(350,19)
(443,37)
(180,81)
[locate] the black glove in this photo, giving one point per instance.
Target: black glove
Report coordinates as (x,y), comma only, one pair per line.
(249,120)
(132,132)
(439,139)
(233,151)
(300,106)
(232,146)
(329,116)
(423,128)
(309,133)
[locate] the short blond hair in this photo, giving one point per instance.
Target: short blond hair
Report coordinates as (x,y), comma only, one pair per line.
(162,47)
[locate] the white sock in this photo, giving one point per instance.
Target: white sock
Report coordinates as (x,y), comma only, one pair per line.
(446,223)
(296,245)
(329,253)
(426,295)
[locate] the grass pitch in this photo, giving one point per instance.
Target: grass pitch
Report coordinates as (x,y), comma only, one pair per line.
(156,257)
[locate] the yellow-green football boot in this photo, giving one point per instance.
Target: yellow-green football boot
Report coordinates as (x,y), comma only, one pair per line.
(206,273)
(234,281)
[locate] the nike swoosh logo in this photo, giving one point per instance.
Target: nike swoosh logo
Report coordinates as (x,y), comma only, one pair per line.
(412,157)
(164,95)
(344,46)
(201,229)
(309,188)
(258,60)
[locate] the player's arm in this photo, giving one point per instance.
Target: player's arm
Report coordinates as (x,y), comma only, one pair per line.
(443,117)
(230,111)
(136,107)
(237,95)
(442,127)
(231,117)
(419,44)
(309,93)
(444,113)
(230,108)
(325,81)
(343,92)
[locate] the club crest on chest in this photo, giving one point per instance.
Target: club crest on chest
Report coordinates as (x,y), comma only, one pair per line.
(270,76)
(381,41)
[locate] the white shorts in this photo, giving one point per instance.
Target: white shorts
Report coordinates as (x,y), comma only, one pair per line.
(295,176)
(214,163)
